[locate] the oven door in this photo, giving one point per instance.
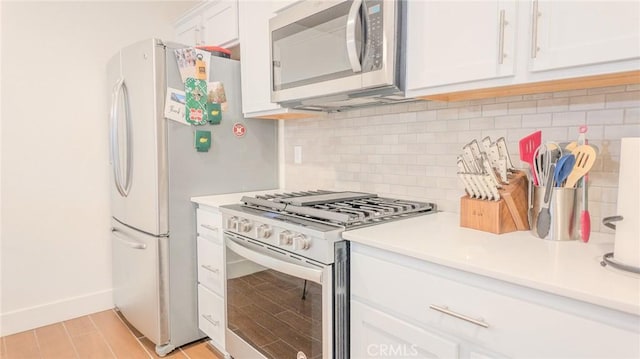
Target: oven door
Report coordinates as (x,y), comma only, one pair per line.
(321,48)
(279,305)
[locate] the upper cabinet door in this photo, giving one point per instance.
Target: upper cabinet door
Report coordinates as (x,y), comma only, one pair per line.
(220,23)
(575,33)
(451,42)
(188,31)
(212,23)
(255,63)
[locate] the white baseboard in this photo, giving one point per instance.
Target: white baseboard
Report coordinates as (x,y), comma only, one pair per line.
(49,313)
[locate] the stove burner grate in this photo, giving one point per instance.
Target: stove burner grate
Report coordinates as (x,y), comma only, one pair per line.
(348,209)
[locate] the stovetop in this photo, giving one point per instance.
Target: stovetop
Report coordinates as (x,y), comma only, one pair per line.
(347,209)
(309,223)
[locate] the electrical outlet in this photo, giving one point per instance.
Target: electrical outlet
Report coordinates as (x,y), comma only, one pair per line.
(297,154)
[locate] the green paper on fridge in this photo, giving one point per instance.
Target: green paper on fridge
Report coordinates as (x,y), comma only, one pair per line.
(196,101)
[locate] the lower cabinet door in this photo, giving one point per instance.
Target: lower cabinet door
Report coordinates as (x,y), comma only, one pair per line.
(376,334)
(211,316)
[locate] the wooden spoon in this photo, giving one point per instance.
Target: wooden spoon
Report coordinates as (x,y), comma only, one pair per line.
(585,158)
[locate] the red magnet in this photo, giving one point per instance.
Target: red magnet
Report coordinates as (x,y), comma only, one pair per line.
(239,130)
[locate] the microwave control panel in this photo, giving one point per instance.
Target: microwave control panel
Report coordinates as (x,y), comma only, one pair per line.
(373,16)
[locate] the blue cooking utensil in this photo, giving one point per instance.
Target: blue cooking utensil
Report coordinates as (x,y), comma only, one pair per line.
(563,169)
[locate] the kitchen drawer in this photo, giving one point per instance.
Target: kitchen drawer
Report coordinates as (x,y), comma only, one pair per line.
(209,224)
(377,334)
(210,265)
(211,316)
(516,327)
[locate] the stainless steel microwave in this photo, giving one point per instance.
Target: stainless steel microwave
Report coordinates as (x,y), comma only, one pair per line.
(332,55)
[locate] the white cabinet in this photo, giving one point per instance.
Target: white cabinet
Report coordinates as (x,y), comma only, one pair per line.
(210,318)
(188,30)
(377,334)
(455,46)
(255,63)
(574,33)
(213,23)
(405,299)
(451,42)
(211,275)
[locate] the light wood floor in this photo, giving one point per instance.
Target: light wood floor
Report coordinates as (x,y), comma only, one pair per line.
(99,335)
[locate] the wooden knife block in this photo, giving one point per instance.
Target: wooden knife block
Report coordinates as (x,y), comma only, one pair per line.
(509,214)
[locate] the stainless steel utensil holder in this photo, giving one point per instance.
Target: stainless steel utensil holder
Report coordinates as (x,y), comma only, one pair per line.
(564,213)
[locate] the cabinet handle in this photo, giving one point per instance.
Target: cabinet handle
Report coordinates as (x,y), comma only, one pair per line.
(209,227)
(210,268)
(503,23)
(534,30)
(209,319)
(446,311)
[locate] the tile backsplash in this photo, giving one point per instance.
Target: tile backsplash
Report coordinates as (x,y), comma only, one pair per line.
(409,150)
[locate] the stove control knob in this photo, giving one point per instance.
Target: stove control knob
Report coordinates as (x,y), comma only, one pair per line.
(301,242)
(232,223)
(244,225)
(264,231)
(285,238)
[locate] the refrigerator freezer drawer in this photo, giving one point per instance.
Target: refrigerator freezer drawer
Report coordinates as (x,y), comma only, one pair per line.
(210,265)
(211,316)
(140,280)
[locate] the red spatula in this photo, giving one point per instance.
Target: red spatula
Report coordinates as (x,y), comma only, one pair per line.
(528,146)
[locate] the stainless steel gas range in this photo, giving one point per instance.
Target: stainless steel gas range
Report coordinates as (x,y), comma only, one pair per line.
(288,270)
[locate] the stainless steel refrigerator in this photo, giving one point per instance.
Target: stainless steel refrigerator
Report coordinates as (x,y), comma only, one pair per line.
(155,170)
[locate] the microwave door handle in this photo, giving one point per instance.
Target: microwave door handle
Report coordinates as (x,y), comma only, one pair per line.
(352,50)
(296,270)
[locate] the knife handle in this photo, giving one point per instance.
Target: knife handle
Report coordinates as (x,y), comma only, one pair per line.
(504,151)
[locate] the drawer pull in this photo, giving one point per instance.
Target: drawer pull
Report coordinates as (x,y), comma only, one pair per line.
(210,227)
(446,310)
(210,268)
(209,319)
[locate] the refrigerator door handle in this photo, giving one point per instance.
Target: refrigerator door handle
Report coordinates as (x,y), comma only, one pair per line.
(115,153)
(128,242)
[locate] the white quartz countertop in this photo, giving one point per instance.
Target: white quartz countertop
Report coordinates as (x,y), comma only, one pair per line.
(568,268)
(228,198)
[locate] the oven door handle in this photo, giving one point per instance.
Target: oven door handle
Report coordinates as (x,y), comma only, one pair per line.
(296,270)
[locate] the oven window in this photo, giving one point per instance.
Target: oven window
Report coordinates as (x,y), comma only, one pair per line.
(276,314)
(313,49)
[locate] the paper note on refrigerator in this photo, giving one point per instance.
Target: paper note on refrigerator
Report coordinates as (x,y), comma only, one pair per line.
(191,62)
(174,106)
(217,95)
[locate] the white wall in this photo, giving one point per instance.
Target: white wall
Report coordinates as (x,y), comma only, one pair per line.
(55,251)
(409,150)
